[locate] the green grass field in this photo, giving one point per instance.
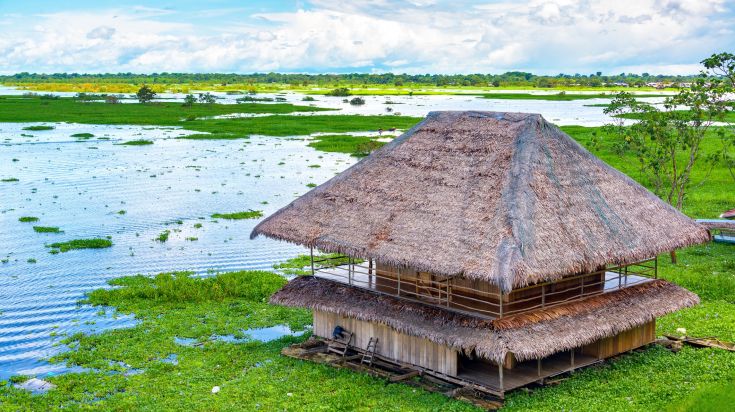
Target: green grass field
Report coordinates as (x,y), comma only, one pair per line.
(34,109)
(254,376)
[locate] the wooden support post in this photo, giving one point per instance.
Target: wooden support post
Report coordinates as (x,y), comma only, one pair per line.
(399,280)
(543,296)
(655,267)
(673,256)
(572,358)
(538,367)
(501,307)
(370,273)
(500,375)
(311,254)
(349,271)
(582,278)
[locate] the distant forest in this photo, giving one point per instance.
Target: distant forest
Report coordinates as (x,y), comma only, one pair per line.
(386,79)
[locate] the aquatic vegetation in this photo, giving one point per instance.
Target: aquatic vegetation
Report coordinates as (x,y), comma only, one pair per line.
(250,374)
(47,229)
(27,219)
(38,128)
(311,185)
(340,91)
(10,179)
(355,145)
(83,135)
(248,214)
(197,225)
(163,236)
(31,260)
(121,212)
(141,142)
(192,239)
(96,243)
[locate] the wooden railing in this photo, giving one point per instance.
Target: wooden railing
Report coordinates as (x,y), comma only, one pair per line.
(476,297)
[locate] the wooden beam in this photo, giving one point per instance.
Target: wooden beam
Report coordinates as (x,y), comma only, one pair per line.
(405,376)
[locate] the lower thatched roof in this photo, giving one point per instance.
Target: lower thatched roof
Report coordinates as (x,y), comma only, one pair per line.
(528,336)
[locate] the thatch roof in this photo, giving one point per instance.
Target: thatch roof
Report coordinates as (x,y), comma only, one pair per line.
(528,336)
(502,197)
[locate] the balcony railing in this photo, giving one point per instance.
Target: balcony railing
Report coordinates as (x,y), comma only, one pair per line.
(474,297)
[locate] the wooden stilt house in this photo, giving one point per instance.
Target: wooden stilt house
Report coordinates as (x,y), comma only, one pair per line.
(485,248)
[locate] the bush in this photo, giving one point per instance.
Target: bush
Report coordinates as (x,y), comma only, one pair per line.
(357,101)
(342,91)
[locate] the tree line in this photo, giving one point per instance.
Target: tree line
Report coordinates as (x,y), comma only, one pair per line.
(514,78)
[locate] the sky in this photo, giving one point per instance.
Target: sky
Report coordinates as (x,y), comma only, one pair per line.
(367,36)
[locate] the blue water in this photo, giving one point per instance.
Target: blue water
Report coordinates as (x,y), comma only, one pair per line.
(170,185)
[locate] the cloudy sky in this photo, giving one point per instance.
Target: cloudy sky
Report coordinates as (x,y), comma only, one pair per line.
(412,36)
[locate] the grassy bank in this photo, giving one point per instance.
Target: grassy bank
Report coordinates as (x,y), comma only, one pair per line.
(196,118)
(144,368)
(711,194)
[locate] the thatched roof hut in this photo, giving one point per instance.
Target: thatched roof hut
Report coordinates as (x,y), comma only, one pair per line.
(506,198)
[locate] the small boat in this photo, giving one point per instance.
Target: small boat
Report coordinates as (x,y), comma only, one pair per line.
(730,214)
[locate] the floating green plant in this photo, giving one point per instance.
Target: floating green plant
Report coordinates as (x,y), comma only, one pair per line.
(47,229)
(141,142)
(163,236)
(248,214)
(38,128)
(28,219)
(95,243)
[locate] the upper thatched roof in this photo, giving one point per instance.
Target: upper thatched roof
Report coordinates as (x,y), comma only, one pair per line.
(528,336)
(502,197)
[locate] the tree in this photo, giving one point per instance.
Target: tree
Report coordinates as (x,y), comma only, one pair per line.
(667,141)
(145,94)
(720,72)
(189,100)
(207,98)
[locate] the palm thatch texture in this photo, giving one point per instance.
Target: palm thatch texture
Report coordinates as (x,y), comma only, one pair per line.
(527,336)
(506,198)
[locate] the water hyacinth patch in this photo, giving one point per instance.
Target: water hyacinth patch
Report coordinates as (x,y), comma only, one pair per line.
(248,214)
(96,243)
(47,229)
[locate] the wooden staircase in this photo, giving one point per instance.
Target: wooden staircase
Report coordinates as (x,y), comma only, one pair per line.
(369,354)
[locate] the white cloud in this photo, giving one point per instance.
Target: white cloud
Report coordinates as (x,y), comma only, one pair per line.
(418,35)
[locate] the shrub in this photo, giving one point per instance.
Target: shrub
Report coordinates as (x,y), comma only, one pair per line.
(342,91)
(357,101)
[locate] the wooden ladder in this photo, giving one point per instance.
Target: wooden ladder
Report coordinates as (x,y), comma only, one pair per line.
(369,354)
(341,347)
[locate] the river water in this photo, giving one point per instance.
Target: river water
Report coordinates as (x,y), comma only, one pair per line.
(98,188)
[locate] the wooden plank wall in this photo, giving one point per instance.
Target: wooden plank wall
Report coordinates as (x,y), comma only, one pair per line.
(623,342)
(391,343)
